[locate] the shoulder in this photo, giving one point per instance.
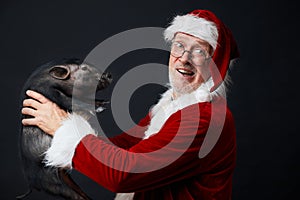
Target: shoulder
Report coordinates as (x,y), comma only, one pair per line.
(204,112)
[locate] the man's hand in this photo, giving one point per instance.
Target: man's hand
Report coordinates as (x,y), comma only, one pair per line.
(46,114)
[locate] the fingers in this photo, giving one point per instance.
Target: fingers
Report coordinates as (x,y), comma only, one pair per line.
(37,96)
(37,100)
(32,103)
(28,111)
(29,121)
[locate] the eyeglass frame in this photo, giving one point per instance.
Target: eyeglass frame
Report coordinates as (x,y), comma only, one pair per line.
(190,53)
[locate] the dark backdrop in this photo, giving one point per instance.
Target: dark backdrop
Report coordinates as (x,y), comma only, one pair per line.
(263,98)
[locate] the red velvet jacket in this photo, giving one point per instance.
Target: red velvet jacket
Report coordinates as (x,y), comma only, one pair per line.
(187,177)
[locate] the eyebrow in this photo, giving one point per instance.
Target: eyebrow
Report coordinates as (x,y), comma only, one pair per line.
(199,44)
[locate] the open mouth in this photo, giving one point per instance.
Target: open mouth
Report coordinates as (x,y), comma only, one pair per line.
(100,105)
(85,103)
(89,104)
(185,72)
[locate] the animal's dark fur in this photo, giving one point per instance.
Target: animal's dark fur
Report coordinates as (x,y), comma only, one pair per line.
(55,80)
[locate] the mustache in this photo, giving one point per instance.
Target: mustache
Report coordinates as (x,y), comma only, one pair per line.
(188,65)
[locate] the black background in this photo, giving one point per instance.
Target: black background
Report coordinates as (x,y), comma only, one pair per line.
(263,98)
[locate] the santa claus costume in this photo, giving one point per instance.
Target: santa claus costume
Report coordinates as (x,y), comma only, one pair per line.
(166,156)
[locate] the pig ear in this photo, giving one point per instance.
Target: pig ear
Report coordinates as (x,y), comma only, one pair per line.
(60,72)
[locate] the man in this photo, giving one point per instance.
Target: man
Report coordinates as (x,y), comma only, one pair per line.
(184,148)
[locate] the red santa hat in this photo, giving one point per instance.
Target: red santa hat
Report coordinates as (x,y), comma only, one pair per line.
(206,26)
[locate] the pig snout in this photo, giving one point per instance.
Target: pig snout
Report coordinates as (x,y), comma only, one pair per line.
(104,80)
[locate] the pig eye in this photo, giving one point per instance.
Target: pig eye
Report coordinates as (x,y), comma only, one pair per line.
(60,72)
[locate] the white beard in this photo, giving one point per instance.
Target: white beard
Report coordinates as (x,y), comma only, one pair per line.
(179,86)
(168,106)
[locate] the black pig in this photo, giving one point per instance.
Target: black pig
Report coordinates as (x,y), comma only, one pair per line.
(55,80)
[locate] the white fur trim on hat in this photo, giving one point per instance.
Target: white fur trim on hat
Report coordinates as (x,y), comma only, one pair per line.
(193,25)
(65,140)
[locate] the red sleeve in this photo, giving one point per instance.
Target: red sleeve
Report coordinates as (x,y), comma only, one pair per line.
(168,156)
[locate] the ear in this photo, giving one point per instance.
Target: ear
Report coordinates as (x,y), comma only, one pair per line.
(60,72)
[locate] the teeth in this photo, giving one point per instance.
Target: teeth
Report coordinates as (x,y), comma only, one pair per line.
(182,71)
(185,72)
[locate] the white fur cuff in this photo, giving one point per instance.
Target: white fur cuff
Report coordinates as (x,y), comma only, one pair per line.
(65,140)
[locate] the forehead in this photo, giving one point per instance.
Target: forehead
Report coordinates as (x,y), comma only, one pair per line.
(189,39)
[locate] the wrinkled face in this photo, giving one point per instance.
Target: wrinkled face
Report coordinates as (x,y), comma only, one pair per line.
(184,76)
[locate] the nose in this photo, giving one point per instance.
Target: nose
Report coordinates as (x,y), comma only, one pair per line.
(104,80)
(185,57)
(106,77)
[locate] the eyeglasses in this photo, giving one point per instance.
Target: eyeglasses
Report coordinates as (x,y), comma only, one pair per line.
(197,55)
